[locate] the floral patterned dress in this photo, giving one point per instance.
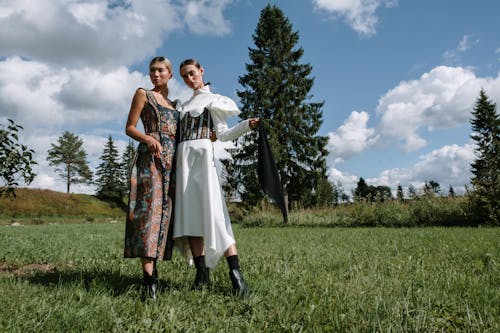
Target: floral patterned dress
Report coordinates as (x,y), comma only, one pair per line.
(148,231)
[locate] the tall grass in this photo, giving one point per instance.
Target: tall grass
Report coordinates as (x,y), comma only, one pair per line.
(72,278)
(431,211)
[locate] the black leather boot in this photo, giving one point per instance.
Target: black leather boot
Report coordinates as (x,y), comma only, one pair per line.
(240,287)
(150,286)
(202,278)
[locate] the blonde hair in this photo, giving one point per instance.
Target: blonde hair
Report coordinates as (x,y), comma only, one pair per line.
(162,60)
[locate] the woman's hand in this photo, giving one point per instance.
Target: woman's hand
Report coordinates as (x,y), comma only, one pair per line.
(253,123)
(154,146)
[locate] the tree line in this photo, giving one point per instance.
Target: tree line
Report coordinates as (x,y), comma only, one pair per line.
(276,88)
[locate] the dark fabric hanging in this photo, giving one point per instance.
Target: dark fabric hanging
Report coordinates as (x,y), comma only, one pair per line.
(268,175)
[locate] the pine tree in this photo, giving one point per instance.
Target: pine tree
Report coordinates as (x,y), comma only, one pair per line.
(451,192)
(486,168)
(399,193)
(69,159)
(229,181)
(276,88)
(126,165)
(362,191)
(431,188)
(109,174)
(412,192)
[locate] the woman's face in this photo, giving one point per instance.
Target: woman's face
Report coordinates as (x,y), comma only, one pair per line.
(159,74)
(192,76)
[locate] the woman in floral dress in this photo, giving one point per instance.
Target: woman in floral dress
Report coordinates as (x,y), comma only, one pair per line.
(148,232)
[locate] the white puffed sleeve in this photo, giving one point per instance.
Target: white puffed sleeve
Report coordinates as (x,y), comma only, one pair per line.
(222,108)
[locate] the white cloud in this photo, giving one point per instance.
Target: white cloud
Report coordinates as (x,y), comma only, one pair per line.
(45,98)
(90,14)
(347,180)
(99,33)
(88,33)
(448,165)
(441,98)
(466,43)
(351,138)
(205,17)
(359,14)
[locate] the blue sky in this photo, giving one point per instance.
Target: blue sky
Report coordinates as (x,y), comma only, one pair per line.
(398,78)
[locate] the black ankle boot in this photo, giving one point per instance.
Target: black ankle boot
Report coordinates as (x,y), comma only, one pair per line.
(240,287)
(150,286)
(202,278)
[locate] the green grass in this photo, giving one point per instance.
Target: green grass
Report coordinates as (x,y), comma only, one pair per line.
(72,278)
(36,206)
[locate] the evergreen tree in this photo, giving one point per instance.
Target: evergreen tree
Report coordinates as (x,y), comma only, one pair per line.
(486,168)
(69,159)
(431,188)
(325,195)
(338,190)
(229,182)
(399,193)
(362,191)
(16,159)
(109,175)
(412,192)
(276,88)
(451,192)
(126,165)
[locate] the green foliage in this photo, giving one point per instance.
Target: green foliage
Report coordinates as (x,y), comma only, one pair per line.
(69,159)
(72,278)
(427,211)
(399,193)
(431,188)
(451,191)
(365,192)
(110,186)
(326,194)
(412,192)
(486,168)
(127,163)
(276,88)
(16,160)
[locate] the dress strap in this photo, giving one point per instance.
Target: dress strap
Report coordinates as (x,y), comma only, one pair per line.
(154,103)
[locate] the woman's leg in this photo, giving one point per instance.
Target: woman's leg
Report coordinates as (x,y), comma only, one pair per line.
(240,286)
(202,277)
(148,265)
(197,246)
(150,278)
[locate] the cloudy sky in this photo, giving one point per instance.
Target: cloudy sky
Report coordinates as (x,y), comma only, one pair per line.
(399,78)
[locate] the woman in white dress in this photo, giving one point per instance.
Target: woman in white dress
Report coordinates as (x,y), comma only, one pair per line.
(200,211)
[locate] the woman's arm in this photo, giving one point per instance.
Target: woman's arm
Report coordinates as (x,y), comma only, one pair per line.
(138,103)
(222,108)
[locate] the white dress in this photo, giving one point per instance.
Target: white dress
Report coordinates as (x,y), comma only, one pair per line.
(200,208)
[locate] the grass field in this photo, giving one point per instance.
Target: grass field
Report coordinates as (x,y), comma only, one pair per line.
(72,278)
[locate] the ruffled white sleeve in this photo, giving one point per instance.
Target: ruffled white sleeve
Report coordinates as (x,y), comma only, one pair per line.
(222,108)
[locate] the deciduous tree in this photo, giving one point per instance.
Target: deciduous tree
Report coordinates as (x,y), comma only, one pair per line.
(16,159)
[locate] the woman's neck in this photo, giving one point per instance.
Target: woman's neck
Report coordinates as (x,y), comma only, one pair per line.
(162,90)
